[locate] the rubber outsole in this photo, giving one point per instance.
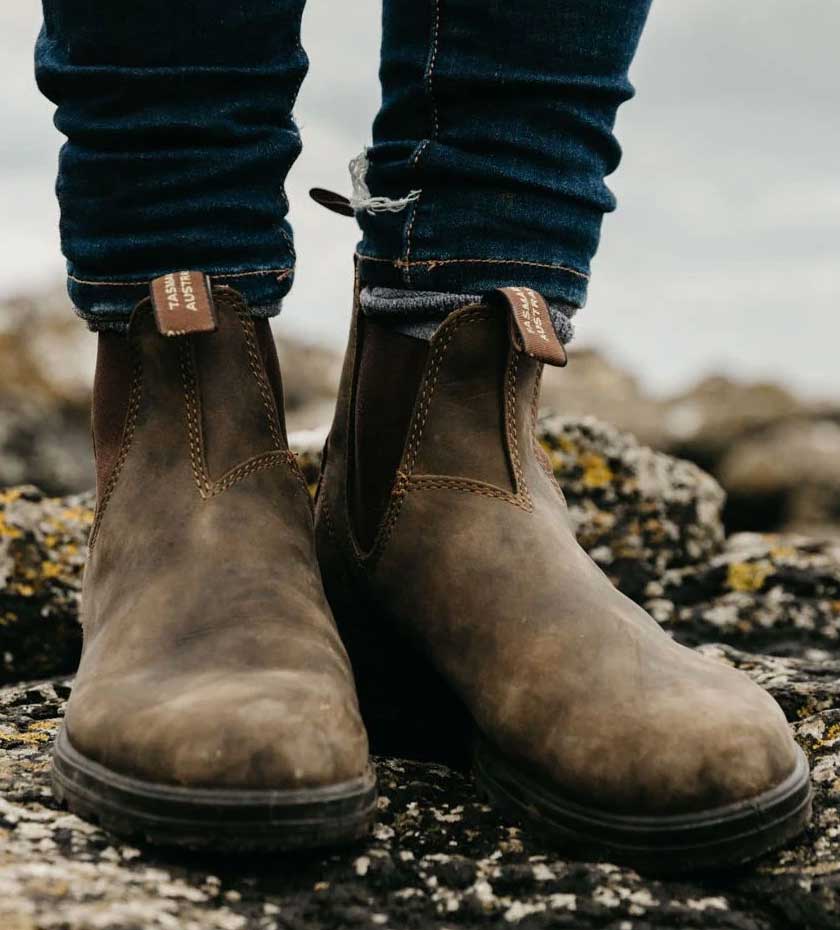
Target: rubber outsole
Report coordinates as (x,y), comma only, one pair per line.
(708,840)
(223,820)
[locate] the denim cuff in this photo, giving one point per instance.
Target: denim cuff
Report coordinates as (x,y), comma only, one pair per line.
(557,283)
(108,304)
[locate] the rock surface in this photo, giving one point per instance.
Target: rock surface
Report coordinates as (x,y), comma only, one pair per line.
(637,512)
(42,553)
(439,856)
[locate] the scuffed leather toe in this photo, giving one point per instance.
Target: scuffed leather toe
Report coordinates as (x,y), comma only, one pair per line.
(267,730)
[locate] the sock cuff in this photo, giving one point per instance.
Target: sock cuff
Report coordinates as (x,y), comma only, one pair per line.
(419,313)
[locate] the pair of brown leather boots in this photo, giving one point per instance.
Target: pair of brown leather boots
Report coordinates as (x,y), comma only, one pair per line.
(215,704)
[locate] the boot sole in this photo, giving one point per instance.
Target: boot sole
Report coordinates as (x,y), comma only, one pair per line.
(212,819)
(410,710)
(709,840)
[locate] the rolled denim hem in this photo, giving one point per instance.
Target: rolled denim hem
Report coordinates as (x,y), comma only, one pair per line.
(557,283)
(106,304)
(101,323)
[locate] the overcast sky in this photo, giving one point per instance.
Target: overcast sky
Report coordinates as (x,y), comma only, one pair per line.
(724,254)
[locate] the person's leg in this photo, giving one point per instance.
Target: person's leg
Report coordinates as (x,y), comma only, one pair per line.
(446,547)
(214,705)
(179,128)
(500,117)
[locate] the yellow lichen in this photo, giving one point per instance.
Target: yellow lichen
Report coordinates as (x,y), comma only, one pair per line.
(831,734)
(748,576)
(51,570)
(24,590)
(10,495)
(9,531)
(33,735)
(596,472)
(77,514)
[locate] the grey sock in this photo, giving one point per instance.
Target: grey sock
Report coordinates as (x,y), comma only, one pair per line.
(419,313)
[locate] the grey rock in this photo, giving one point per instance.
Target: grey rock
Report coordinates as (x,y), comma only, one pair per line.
(793,468)
(637,512)
(438,857)
(42,552)
(769,593)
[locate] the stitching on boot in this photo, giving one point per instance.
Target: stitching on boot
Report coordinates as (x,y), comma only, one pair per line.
(406,481)
(207,487)
(422,411)
(269,403)
(540,453)
(134,394)
(434,483)
(196,444)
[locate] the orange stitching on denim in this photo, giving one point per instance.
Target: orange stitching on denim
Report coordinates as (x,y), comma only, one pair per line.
(134,395)
(428,80)
(431,263)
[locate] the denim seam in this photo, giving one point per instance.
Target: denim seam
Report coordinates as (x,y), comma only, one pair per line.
(432,263)
(435,130)
(282,274)
(286,237)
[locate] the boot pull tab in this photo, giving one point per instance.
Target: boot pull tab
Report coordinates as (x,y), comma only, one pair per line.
(531,329)
(338,203)
(183,304)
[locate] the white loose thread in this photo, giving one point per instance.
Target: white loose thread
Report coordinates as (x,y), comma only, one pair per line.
(362,199)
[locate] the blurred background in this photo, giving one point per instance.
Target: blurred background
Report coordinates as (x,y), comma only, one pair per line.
(712,325)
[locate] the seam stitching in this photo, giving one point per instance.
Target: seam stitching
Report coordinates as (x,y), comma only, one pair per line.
(199,469)
(431,263)
(269,405)
(422,410)
(281,273)
(207,487)
(539,451)
(428,80)
(406,481)
(134,395)
(522,495)
(433,483)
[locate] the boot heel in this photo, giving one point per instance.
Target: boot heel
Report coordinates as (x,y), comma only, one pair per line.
(409,710)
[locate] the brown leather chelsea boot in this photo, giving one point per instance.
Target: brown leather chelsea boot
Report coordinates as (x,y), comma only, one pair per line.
(466,604)
(214,705)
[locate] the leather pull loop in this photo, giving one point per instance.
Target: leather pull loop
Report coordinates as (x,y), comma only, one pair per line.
(338,203)
(183,304)
(531,329)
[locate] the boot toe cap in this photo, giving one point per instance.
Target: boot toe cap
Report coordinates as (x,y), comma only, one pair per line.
(262,731)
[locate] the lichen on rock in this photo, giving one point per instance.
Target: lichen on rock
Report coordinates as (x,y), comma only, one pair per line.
(636,511)
(439,856)
(42,552)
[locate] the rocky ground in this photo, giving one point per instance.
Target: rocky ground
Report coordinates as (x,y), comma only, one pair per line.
(439,856)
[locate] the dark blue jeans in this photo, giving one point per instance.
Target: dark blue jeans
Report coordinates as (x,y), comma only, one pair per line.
(179,136)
